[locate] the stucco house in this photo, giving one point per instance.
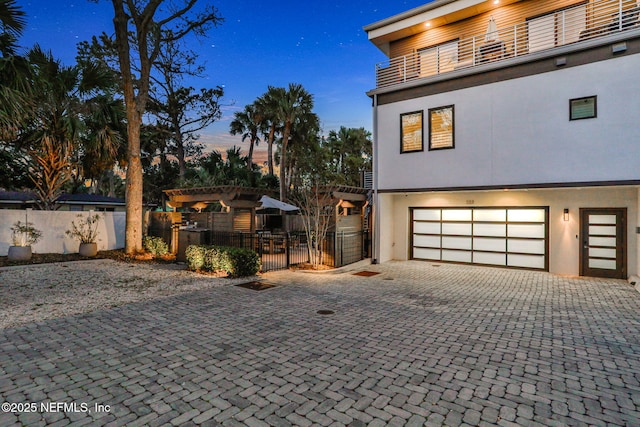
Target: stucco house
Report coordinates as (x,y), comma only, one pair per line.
(506,134)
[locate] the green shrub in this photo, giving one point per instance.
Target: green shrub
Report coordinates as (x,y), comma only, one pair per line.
(242,262)
(236,262)
(156,245)
(195,257)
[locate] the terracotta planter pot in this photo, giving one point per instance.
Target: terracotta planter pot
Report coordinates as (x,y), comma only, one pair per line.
(19,253)
(88,249)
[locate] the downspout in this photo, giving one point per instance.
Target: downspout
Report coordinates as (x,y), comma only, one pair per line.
(376,217)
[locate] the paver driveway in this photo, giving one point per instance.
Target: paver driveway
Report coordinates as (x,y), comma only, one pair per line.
(420,343)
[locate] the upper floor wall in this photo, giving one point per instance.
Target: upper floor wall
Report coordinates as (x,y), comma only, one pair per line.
(446,36)
(572,126)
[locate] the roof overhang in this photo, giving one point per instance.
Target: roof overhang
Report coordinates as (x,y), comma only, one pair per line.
(436,14)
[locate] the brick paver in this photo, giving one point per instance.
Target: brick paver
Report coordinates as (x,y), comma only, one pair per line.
(419,344)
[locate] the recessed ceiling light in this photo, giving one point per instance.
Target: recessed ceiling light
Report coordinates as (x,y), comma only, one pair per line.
(428,24)
(496,1)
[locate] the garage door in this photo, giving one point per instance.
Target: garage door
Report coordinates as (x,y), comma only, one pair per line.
(508,237)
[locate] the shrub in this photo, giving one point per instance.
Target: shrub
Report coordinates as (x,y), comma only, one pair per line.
(195,257)
(156,245)
(86,230)
(236,262)
(242,262)
(24,234)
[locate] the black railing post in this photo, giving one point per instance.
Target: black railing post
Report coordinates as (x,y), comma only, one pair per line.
(286,248)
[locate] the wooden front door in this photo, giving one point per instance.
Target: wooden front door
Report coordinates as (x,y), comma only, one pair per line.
(604,245)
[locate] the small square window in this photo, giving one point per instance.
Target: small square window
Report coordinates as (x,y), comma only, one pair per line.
(411,139)
(441,128)
(583,108)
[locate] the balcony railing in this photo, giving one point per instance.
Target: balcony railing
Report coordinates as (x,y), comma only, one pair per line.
(582,22)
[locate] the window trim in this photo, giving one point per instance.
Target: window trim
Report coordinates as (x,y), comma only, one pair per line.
(402,132)
(595,108)
(453,128)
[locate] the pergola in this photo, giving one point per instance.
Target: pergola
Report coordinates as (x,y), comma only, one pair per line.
(231,196)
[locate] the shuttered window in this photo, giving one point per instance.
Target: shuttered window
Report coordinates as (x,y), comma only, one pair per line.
(242,220)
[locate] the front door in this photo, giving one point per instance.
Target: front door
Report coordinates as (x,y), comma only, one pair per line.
(603,237)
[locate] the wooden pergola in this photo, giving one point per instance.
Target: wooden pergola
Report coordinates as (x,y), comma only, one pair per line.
(232,196)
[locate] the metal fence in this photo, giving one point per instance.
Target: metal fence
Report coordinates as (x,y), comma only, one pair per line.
(280,251)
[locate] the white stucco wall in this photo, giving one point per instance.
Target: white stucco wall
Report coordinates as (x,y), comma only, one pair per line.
(518,132)
(564,246)
(53,225)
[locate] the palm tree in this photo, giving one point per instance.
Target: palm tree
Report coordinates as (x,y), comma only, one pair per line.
(14,70)
(296,102)
(12,24)
(267,105)
(248,123)
(69,111)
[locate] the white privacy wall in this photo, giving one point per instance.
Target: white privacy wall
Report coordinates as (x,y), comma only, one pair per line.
(53,225)
(518,132)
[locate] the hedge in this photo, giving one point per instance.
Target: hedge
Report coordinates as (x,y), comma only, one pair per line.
(156,245)
(237,262)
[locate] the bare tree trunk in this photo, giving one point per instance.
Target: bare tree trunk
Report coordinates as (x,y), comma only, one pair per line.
(250,155)
(182,164)
(272,134)
(133,229)
(133,191)
(283,162)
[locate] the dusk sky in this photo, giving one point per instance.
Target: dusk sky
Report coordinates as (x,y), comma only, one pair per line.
(319,44)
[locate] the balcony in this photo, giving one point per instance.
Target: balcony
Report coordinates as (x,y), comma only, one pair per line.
(576,24)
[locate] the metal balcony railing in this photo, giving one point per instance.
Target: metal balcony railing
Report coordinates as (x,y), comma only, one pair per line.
(582,22)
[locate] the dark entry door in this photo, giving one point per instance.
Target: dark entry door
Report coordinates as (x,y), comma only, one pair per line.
(604,246)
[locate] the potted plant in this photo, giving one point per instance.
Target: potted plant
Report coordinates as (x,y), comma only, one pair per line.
(86,232)
(22,237)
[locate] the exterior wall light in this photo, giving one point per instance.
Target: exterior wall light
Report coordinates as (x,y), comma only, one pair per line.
(566,214)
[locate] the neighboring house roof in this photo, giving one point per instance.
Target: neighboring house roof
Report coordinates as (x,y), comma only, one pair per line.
(88,199)
(21,197)
(17,197)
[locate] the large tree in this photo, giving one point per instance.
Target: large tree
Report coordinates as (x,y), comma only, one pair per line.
(351,153)
(296,102)
(142,29)
(69,113)
(15,72)
(249,123)
(267,108)
(12,24)
(182,110)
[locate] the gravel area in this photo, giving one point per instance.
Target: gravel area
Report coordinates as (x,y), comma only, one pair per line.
(34,293)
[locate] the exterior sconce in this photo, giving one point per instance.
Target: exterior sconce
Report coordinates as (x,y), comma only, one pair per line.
(566,214)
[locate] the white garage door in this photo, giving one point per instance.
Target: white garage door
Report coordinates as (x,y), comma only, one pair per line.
(509,237)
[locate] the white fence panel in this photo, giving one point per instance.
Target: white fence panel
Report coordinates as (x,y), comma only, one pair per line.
(53,225)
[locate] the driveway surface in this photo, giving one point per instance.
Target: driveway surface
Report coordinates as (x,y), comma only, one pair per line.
(418,344)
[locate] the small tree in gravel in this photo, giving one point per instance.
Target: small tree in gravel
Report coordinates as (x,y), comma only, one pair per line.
(317,211)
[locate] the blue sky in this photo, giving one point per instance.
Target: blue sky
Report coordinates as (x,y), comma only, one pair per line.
(319,44)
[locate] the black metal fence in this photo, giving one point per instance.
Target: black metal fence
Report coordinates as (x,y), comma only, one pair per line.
(281,250)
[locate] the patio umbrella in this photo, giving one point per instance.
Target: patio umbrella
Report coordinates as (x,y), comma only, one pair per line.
(492,31)
(271,203)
